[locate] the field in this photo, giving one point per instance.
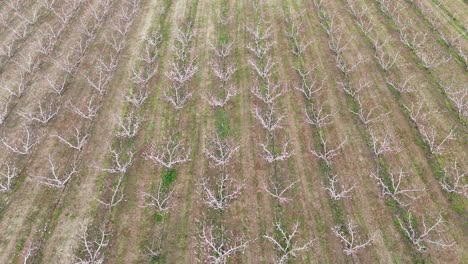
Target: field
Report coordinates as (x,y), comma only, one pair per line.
(233,131)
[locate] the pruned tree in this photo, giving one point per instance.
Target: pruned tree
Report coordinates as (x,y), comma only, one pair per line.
(152,42)
(261,34)
(57,87)
(22,145)
(57,177)
(354,89)
(269,118)
(160,201)
(433,58)
(419,112)
(17,90)
(429,234)
(99,81)
(219,195)
(137,96)
(178,93)
(404,86)
(218,245)
(221,97)
(92,246)
(367,117)
(129,125)
(317,116)
(392,187)
(4,111)
(88,112)
(120,161)
(116,191)
(434,141)
(219,151)
(453,180)
(293,32)
(385,145)
(7,177)
(286,242)
(77,141)
(223,50)
(142,76)
(268,92)
(168,153)
(350,239)
(46,111)
(310,87)
(278,190)
(272,153)
(338,192)
(30,252)
(327,153)
(264,70)
(458,96)
(386,60)
(28,64)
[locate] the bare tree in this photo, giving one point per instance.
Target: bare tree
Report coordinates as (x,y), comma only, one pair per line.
(429,234)
(23,145)
(419,112)
(264,70)
(350,239)
(218,244)
(433,58)
(299,45)
(432,138)
(142,76)
(261,34)
(161,201)
(354,89)
(386,60)
(277,191)
(78,140)
(7,176)
(458,96)
(223,50)
(120,161)
(221,98)
(178,93)
(316,115)
(219,151)
(219,195)
(268,92)
(392,187)
(7,50)
(99,83)
(269,118)
(403,86)
(92,246)
(57,87)
(385,145)
(116,191)
(310,87)
(272,154)
(338,192)
(152,42)
(17,90)
(452,181)
(129,125)
(30,252)
(46,111)
(286,243)
(328,153)
(137,96)
(4,111)
(28,63)
(90,109)
(367,117)
(57,177)
(168,153)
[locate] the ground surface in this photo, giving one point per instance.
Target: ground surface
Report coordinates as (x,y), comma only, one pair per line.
(388,90)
